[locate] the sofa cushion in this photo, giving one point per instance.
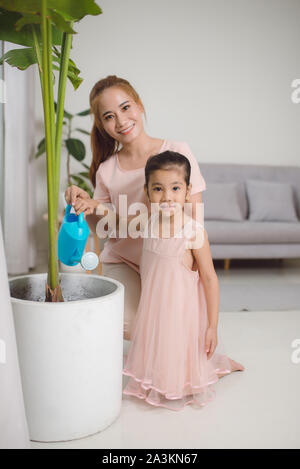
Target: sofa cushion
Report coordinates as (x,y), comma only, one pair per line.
(225,201)
(251,232)
(271,201)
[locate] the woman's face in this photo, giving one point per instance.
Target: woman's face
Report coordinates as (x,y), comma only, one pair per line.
(121,116)
(167,187)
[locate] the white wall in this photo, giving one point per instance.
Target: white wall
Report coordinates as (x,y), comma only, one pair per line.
(216,73)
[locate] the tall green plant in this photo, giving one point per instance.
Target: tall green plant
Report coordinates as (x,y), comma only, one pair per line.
(45,28)
(75,148)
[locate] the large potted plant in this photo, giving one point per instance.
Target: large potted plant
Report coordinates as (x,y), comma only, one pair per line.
(74,149)
(69,327)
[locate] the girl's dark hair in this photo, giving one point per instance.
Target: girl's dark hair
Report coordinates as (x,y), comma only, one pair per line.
(103,145)
(167,160)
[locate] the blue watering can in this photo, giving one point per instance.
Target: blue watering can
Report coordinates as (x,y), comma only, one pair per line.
(72,238)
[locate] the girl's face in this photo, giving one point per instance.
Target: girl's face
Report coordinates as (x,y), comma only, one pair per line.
(121,116)
(167,187)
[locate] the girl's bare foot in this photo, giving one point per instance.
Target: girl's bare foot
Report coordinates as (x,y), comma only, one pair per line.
(235,366)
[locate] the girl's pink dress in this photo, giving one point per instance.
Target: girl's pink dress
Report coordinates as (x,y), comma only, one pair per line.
(166,361)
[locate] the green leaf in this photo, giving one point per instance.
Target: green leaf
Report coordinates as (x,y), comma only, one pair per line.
(56,18)
(83,131)
(82,184)
(20,58)
(61,23)
(75,10)
(66,114)
(76,148)
(71,65)
(85,174)
(70,10)
(27,19)
(84,113)
(23,58)
(75,80)
(22,6)
(41,148)
(86,166)
(8,32)
(23,37)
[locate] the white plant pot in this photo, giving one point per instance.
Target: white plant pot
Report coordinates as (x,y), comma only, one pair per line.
(70,354)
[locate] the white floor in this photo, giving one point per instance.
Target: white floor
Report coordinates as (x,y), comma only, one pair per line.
(256,408)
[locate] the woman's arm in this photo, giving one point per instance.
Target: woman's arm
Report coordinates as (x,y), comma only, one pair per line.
(91,209)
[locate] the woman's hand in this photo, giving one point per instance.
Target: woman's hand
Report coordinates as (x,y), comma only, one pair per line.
(87,206)
(211,341)
(73,193)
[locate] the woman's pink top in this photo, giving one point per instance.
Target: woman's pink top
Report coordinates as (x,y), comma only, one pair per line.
(112,181)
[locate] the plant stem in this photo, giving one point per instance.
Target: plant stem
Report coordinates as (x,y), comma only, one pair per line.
(63,73)
(69,155)
(38,55)
(51,101)
(52,266)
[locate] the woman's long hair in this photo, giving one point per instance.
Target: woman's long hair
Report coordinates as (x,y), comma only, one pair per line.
(103,145)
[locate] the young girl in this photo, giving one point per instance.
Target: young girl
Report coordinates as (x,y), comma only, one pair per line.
(172,360)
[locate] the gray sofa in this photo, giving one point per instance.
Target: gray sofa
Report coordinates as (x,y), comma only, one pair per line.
(252,211)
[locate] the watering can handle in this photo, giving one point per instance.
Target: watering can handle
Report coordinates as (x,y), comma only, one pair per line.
(80,216)
(67,211)
(80,219)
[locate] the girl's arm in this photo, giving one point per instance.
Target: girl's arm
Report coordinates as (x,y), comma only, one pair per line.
(203,257)
(209,278)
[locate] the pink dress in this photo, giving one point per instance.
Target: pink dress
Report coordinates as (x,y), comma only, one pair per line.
(112,181)
(167,363)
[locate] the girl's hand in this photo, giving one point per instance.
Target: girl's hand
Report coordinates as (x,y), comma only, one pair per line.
(87,206)
(211,341)
(73,193)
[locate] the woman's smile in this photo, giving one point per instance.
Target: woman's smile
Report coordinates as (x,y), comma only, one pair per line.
(127,131)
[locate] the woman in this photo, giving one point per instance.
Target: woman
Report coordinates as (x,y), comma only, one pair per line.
(118,120)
